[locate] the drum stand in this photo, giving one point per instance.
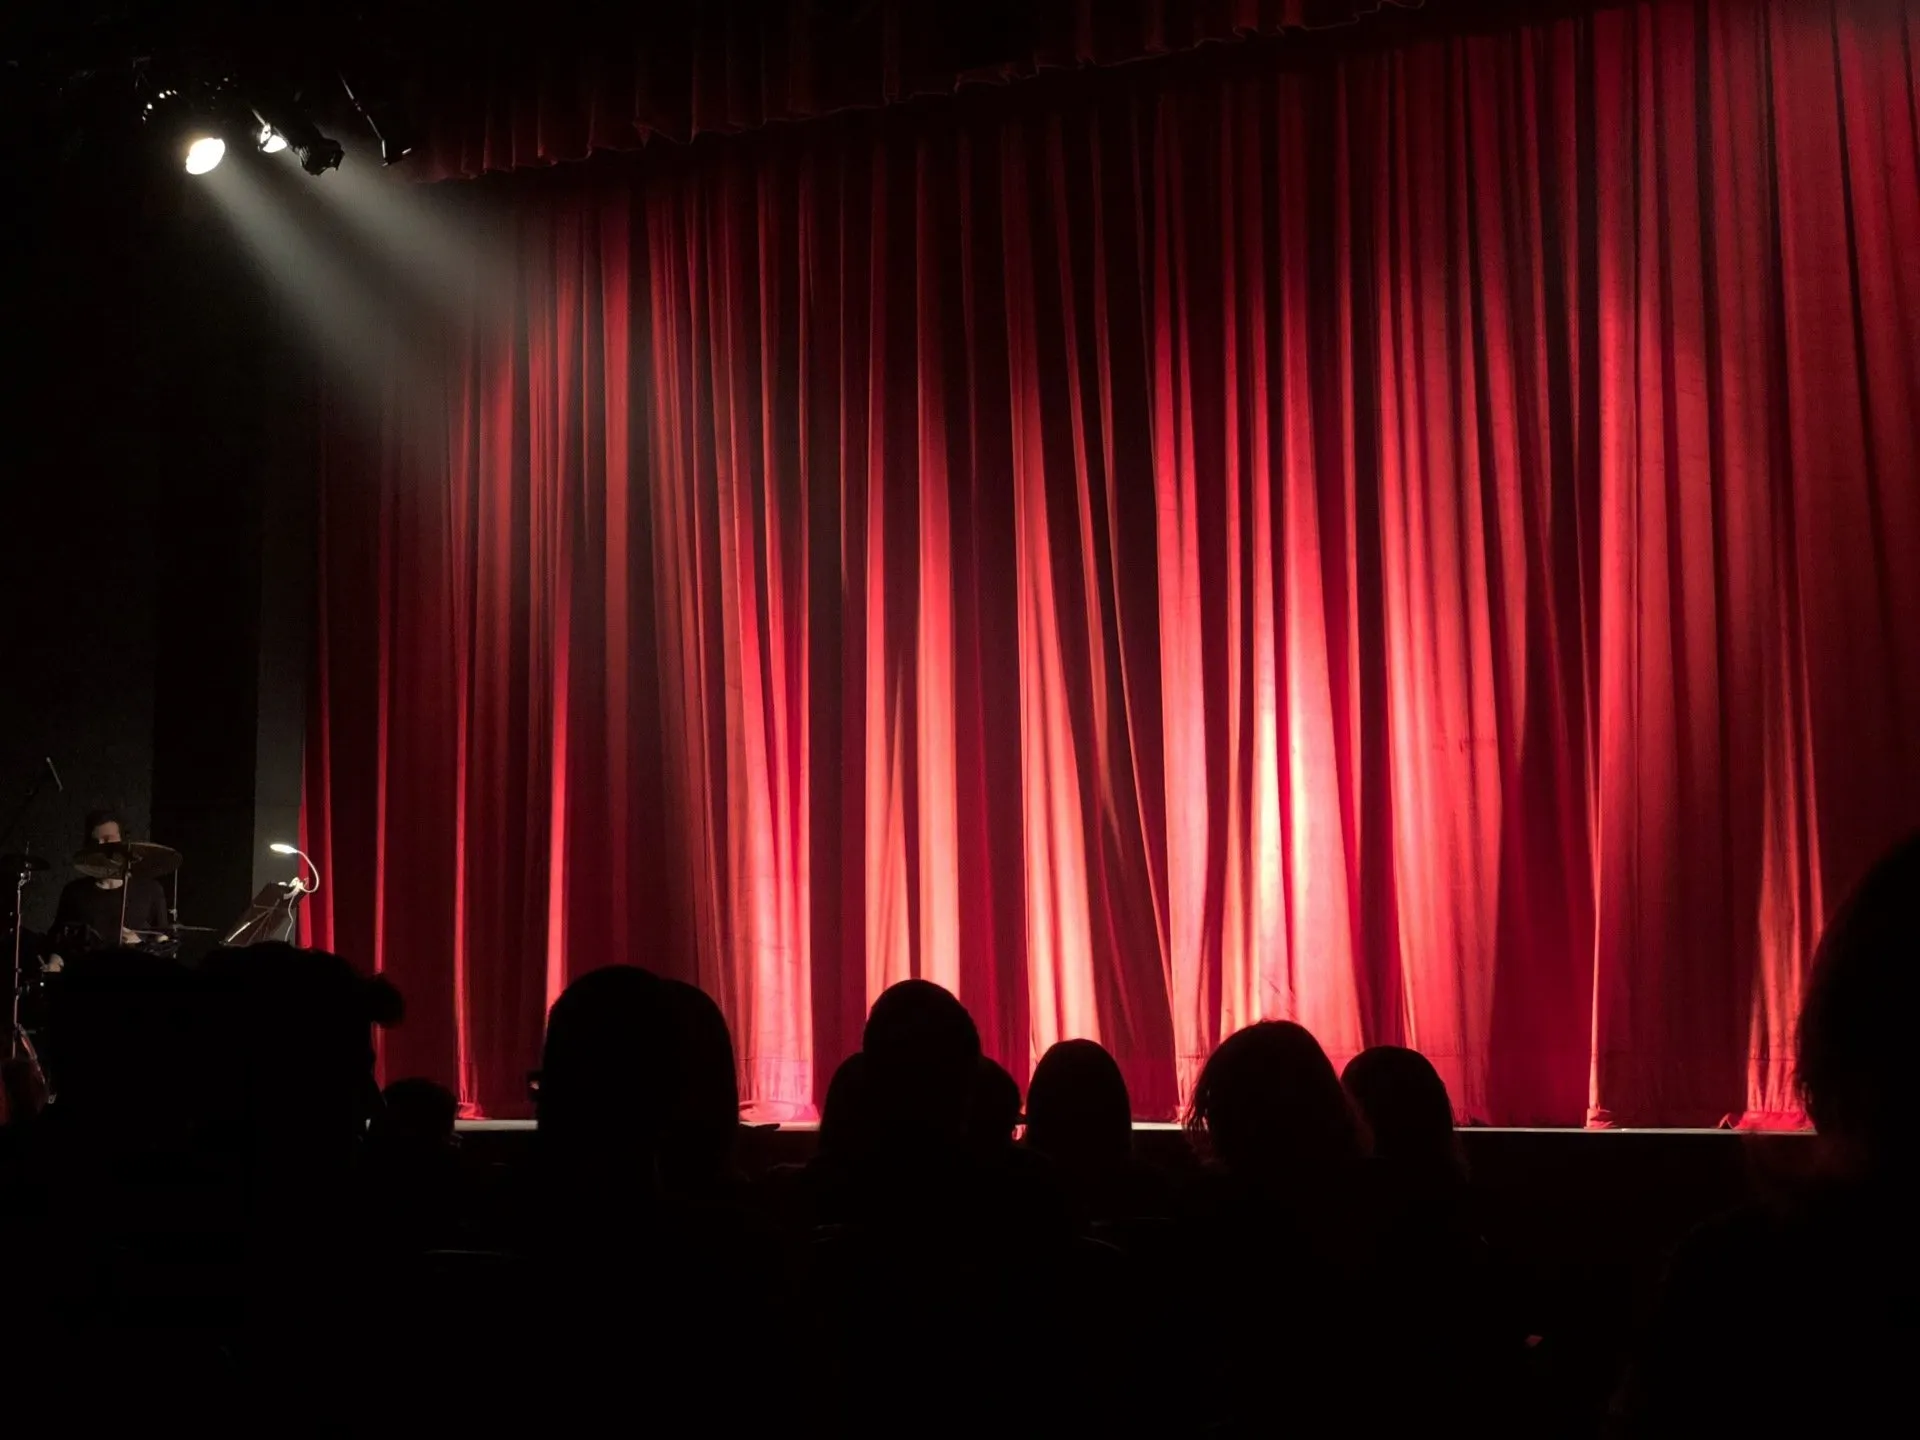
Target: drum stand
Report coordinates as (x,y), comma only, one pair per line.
(126,888)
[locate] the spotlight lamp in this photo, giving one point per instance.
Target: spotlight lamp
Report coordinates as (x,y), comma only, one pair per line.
(285,127)
(199,116)
(188,127)
(204,152)
(321,156)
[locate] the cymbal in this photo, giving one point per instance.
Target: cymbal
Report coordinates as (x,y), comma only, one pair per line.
(16,864)
(141,859)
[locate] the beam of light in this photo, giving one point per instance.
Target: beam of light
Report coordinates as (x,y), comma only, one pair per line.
(205,153)
(439,240)
(364,337)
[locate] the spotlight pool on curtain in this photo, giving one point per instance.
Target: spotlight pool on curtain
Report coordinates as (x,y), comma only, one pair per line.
(1420,543)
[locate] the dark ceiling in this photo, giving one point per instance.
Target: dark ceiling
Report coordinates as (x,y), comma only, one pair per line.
(73,77)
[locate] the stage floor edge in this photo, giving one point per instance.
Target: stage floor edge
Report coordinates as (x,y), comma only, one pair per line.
(1165,1126)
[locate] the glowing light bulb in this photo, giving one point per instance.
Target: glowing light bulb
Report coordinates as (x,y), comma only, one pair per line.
(205,153)
(272,142)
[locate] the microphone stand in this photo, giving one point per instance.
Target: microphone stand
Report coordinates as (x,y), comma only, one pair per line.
(17,1041)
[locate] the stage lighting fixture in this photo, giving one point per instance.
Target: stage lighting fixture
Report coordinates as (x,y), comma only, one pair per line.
(165,102)
(392,149)
(187,126)
(204,152)
(321,156)
(388,127)
(316,152)
(272,142)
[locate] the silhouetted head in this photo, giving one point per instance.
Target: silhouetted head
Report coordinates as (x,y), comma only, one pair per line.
(995,1112)
(638,1074)
(1855,1074)
(922,1050)
(605,1071)
(104,827)
(1268,1104)
(845,1125)
(416,1116)
(1405,1104)
(290,1048)
(1078,1112)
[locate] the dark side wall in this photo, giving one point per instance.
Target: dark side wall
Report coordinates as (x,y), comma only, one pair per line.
(150,426)
(78,519)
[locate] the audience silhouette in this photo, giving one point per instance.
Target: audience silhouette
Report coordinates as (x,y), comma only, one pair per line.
(994,1119)
(1080,1118)
(601,1086)
(846,1127)
(1803,1316)
(415,1120)
(822,1191)
(1407,1111)
(411,1166)
(190,1190)
(1268,1108)
(923,1057)
(1078,1113)
(1452,1329)
(1284,1211)
(216,1193)
(285,1036)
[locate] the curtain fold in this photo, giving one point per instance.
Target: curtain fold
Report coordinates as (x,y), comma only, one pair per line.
(1416,544)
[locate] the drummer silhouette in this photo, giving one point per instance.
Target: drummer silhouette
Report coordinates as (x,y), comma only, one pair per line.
(93,914)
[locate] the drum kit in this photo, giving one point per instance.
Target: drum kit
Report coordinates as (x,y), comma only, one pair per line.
(120,864)
(37,957)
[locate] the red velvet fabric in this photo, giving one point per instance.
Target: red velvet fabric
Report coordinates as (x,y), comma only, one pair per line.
(613,79)
(1421,544)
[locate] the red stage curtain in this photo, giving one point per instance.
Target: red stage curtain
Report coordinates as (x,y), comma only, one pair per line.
(1424,545)
(613,79)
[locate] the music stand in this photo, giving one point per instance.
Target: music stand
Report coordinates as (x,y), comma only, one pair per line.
(269,916)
